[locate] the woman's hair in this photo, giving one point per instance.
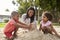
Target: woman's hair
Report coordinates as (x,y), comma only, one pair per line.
(49,16)
(31,18)
(14,13)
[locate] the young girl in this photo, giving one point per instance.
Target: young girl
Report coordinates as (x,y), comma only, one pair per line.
(46,24)
(12,26)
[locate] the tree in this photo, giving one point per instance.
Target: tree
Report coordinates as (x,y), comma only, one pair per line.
(50,5)
(23,6)
(13,2)
(7,10)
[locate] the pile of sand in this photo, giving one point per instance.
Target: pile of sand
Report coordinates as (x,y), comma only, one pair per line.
(33,35)
(36,35)
(50,37)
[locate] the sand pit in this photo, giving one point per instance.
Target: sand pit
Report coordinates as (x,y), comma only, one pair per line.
(33,35)
(36,35)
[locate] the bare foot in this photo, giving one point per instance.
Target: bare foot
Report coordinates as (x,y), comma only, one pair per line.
(15,36)
(8,38)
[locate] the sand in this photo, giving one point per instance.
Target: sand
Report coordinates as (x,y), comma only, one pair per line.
(32,35)
(36,35)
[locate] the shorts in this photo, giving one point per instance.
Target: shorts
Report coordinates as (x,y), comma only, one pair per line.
(8,35)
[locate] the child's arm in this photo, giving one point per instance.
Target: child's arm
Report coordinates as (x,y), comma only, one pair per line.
(54,31)
(21,25)
(26,25)
(40,27)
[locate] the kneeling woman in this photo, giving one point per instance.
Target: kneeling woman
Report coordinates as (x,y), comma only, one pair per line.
(29,18)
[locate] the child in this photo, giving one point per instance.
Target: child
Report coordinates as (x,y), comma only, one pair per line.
(13,25)
(46,24)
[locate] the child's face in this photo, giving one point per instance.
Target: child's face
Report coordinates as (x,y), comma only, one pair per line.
(30,13)
(44,18)
(16,17)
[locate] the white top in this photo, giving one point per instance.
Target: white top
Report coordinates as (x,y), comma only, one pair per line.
(47,24)
(27,21)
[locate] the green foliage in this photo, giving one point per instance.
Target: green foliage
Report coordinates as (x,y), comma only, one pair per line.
(50,5)
(6,20)
(7,10)
(23,6)
(13,2)
(58,5)
(2,25)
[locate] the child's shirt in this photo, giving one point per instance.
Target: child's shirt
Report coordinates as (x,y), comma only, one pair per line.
(47,24)
(10,27)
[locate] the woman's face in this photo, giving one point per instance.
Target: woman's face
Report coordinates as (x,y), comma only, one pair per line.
(30,13)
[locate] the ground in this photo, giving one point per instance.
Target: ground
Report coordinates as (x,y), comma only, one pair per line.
(2,35)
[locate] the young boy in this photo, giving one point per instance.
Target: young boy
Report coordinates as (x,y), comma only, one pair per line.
(13,25)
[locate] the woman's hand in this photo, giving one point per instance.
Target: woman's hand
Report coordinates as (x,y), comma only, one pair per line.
(31,26)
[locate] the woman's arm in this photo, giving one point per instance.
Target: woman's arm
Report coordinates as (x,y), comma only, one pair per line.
(35,23)
(31,25)
(40,28)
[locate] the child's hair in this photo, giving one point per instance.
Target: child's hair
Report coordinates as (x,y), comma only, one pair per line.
(49,16)
(14,13)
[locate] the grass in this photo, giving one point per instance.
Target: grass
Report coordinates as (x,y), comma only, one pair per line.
(2,25)
(54,24)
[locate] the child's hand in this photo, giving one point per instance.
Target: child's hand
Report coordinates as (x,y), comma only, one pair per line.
(58,36)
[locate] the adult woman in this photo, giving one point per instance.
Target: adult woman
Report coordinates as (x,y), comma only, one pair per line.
(29,18)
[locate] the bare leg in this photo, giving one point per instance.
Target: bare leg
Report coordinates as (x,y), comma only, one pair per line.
(47,30)
(15,35)
(56,33)
(44,30)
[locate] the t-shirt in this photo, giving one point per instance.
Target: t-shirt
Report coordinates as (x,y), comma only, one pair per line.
(27,20)
(47,24)
(10,26)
